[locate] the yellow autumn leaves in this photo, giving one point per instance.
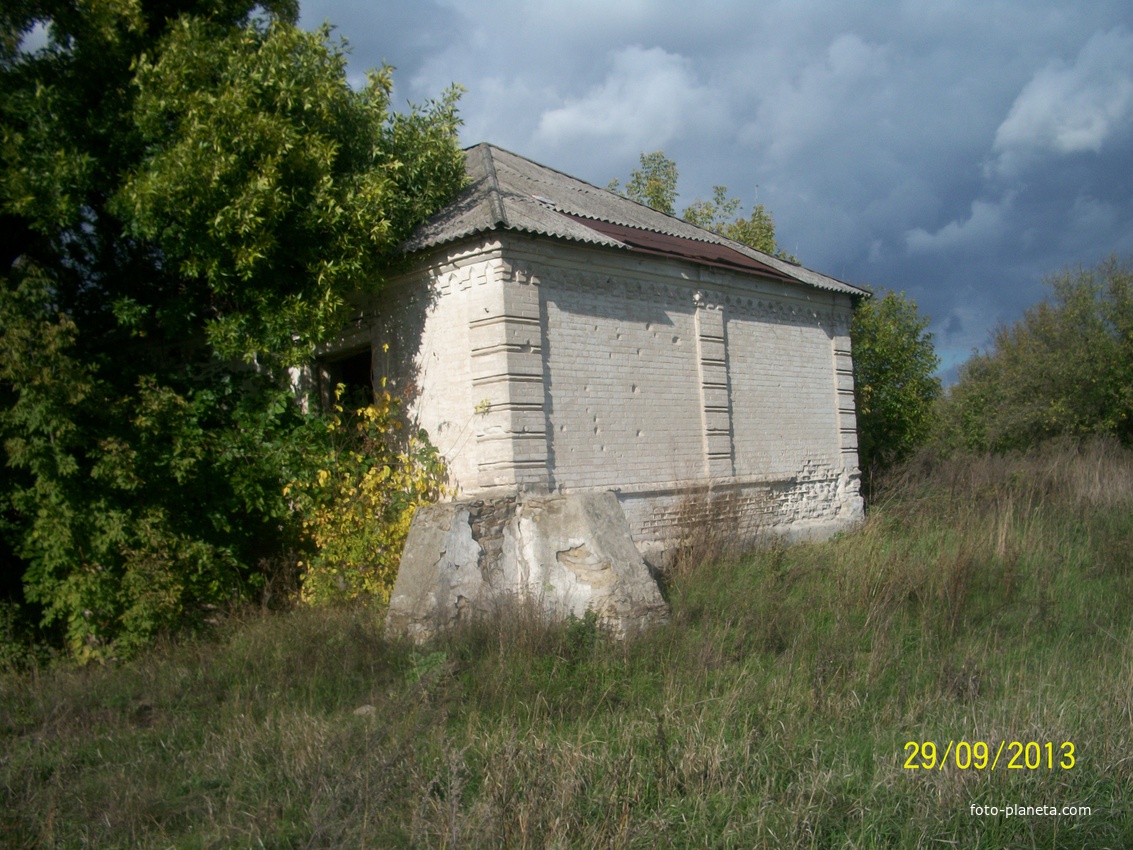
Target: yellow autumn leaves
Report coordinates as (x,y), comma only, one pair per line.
(357,505)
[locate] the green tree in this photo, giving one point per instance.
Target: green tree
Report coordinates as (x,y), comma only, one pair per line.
(183,186)
(894,383)
(719,215)
(272,183)
(1064,370)
(653,184)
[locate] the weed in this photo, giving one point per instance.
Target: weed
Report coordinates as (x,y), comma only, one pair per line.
(986,599)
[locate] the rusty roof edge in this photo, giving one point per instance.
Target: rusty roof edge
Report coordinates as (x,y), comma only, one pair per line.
(665,244)
(699,234)
(498,200)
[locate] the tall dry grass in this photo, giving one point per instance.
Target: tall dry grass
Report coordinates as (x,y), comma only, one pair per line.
(985,599)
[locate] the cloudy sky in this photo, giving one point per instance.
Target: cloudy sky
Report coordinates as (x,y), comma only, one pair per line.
(959,151)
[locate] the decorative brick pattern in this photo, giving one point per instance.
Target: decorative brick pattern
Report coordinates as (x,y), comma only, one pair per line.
(847,410)
(715,392)
(507,370)
(548,366)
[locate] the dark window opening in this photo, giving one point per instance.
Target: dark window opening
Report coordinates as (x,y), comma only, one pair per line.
(355,372)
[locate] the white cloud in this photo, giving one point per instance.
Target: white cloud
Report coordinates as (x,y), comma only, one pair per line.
(1068,109)
(823,98)
(1091,215)
(984,224)
(647,98)
(503,110)
(868,129)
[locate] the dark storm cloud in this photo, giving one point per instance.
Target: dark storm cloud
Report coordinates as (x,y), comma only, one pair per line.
(958,151)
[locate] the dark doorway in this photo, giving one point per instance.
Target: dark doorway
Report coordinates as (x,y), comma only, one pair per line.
(356,373)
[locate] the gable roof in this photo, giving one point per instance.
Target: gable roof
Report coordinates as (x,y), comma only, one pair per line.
(509,192)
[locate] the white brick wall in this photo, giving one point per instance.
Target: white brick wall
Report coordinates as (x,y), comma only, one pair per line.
(783,396)
(604,370)
(622,386)
(424,317)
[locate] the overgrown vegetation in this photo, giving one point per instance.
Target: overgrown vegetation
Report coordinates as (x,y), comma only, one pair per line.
(357,498)
(1064,370)
(986,599)
(188,191)
(895,382)
(655,185)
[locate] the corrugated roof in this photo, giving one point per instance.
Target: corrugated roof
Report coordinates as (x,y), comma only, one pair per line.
(509,192)
(705,253)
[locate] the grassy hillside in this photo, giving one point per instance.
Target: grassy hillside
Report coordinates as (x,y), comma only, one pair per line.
(986,600)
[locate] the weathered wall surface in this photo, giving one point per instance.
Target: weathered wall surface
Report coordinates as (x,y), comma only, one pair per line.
(550,367)
(431,320)
(562,554)
(664,378)
(623,394)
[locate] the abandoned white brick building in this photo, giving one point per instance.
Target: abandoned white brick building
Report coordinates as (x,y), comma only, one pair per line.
(556,337)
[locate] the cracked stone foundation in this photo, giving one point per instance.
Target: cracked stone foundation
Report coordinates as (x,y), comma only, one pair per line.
(565,553)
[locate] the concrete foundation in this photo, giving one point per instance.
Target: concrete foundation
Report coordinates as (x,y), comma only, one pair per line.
(566,554)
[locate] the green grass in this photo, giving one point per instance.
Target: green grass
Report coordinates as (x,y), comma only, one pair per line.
(985,599)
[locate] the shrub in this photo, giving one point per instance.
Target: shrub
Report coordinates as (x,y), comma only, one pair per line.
(357,499)
(1064,370)
(894,383)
